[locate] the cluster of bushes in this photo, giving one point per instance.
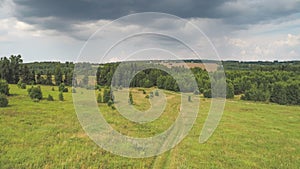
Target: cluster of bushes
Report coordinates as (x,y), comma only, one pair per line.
(107,97)
(35,93)
(286,93)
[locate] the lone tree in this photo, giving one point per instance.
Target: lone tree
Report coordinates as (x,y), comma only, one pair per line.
(61,96)
(130,100)
(35,93)
(3,100)
(4,89)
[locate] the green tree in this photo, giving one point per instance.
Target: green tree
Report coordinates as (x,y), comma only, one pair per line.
(48,80)
(230,90)
(293,93)
(4,69)
(4,89)
(58,75)
(106,95)
(279,93)
(15,62)
(130,100)
(61,96)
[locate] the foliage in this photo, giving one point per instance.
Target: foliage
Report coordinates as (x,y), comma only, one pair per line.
(3,100)
(4,89)
(50,98)
(35,93)
(99,98)
(207,93)
(130,100)
(62,88)
(110,103)
(58,75)
(156,93)
(61,96)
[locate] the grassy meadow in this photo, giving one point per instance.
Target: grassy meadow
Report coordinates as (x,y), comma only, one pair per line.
(48,134)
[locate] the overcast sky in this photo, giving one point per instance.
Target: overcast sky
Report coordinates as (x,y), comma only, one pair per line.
(56,30)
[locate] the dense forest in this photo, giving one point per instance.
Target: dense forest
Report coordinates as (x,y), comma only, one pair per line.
(277,82)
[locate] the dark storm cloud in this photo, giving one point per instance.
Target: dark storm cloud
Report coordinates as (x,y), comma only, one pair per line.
(61,14)
(112,9)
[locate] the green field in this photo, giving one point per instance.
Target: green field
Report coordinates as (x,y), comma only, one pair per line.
(48,135)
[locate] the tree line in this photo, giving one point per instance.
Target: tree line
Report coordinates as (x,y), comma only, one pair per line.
(268,82)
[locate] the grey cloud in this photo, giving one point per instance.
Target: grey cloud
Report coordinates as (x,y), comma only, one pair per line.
(60,15)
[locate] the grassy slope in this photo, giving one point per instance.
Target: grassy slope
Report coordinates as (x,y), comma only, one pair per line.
(48,135)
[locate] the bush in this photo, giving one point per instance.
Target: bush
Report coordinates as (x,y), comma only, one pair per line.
(255,93)
(62,88)
(130,100)
(73,90)
(23,86)
(66,90)
(196,92)
(156,93)
(50,98)
(4,89)
(230,91)
(189,98)
(52,89)
(144,92)
(207,93)
(99,98)
(110,102)
(3,100)
(61,96)
(35,93)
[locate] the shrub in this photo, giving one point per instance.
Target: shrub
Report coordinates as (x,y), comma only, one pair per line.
(4,89)
(130,100)
(230,91)
(50,98)
(66,90)
(110,102)
(52,89)
(144,92)
(151,95)
(23,86)
(99,98)
(207,93)
(196,92)
(61,96)
(35,93)
(73,90)
(189,98)
(62,88)
(3,100)
(156,93)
